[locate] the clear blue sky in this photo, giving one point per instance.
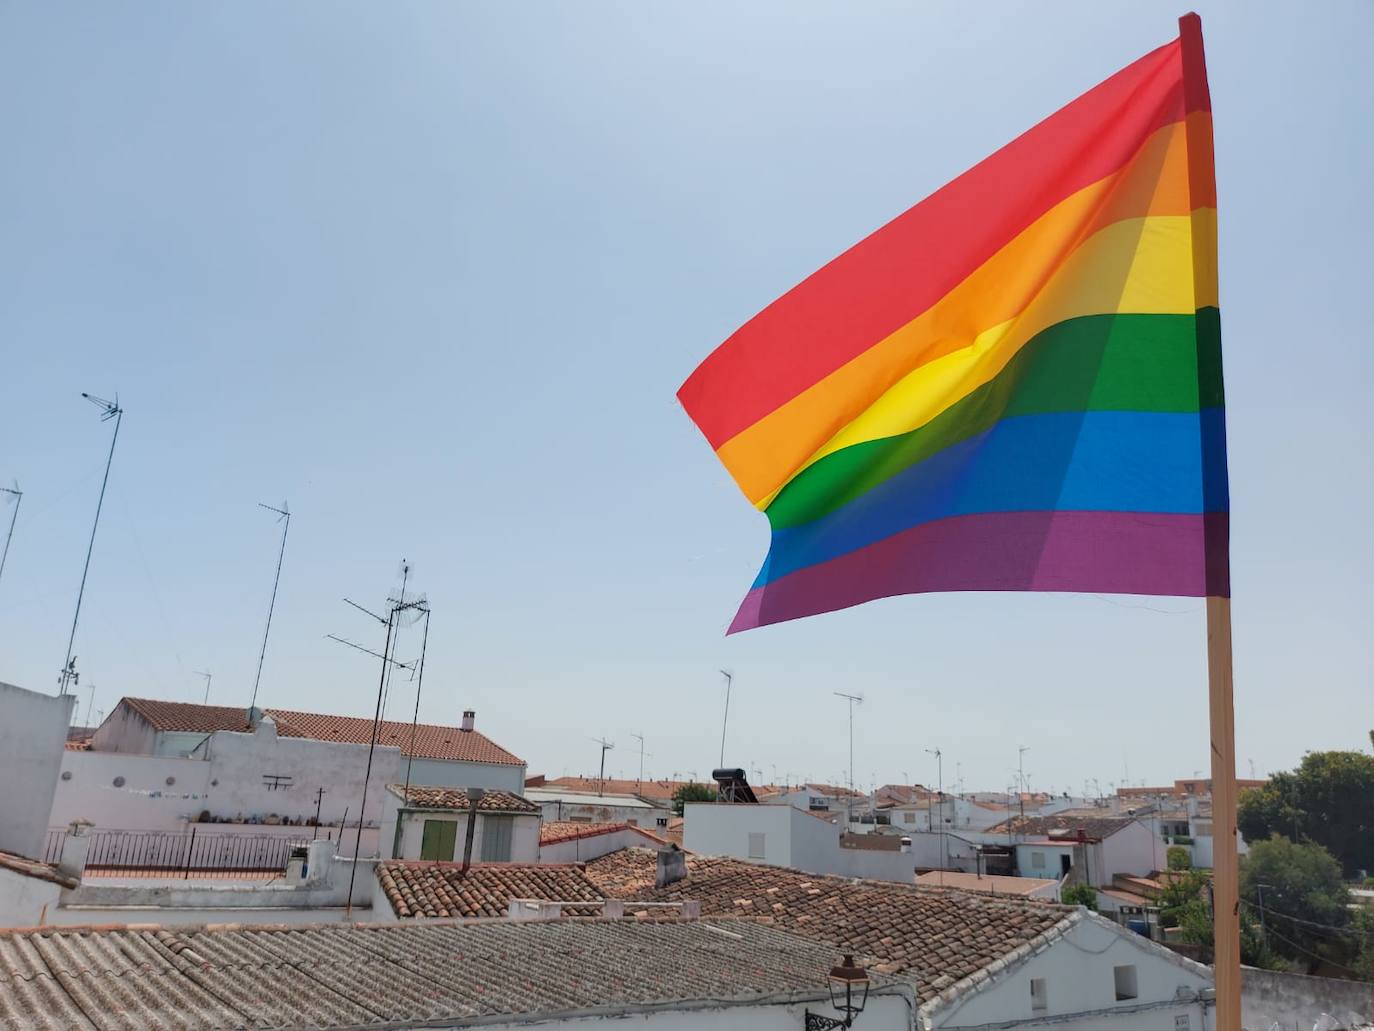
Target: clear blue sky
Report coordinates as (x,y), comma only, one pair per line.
(432,272)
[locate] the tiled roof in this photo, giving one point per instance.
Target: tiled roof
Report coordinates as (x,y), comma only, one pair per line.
(656,790)
(33,868)
(431,740)
(940,937)
(425,797)
(426,889)
(570,830)
(1096,827)
(450,975)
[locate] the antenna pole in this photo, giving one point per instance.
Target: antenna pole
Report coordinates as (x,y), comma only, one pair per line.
(111,411)
(415,721)
(386,695)
(849,802)
(271,605)
(18,497)
(640,738)
(207,677)
(725,721)
(367,775)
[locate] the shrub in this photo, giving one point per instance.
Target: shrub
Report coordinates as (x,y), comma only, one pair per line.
(1179,858)
(1080,895)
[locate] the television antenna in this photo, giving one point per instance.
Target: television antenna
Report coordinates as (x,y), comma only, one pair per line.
(606,746)
(852,699)
(18,496)
(208,677)
(108,410)
(283,517)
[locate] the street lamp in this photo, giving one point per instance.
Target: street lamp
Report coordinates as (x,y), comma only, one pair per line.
(849,986)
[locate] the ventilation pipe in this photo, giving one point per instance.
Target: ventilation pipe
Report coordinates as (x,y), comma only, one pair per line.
(469,719)
(475,796)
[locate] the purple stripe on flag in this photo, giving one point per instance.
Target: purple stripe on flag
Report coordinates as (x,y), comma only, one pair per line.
(1091,552)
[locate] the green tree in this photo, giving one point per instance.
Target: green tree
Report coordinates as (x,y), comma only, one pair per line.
(692,792)
(1179,858)
(1303,899)
(1362,931)
(1186,905)
(1328,799)
(1080,895)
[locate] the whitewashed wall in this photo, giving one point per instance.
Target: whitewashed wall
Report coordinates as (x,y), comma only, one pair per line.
(33,736)
(226,780)
(524,845)
(583,850)
(1078,973)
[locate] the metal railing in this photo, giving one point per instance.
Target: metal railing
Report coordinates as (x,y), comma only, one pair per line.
(180,852)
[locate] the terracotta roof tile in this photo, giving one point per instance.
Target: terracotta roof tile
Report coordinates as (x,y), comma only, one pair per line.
(570,830)
(432,741)
(426,797)
(33,868)
(451,975)
(939,936)
(425,889)
(1093,826)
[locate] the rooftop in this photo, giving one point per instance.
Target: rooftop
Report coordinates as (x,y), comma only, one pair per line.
(938,936)
(431,740)
(572,797)
(657,790)
(1094,826)
(373,976)
(420,888)
(552,832)
(424,797)
(987,884)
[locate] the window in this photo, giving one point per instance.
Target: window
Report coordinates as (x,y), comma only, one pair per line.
(908,817)
(437,840)
(756,849)
(496,834)
(1037,860)
(1125,982)
(1040,999)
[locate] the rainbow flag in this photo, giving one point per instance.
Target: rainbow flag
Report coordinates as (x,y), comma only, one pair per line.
(1013,386)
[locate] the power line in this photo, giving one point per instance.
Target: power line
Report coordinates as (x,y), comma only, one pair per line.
(1315,955)
(1267,911)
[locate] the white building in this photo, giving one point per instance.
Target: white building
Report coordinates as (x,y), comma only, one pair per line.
(33,735)
(431,823)
(563,805)
(1095,847)
(445,756)
(231,782)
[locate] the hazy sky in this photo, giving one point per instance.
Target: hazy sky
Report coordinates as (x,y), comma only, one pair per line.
(432,273)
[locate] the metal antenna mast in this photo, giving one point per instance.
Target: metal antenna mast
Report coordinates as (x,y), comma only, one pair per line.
(208,677)
(415,720)
(285,519)
(606,746)
(391,670)
(642,753)
(849,802)
(109,410)
(940,789)
(729,681)
(18,497)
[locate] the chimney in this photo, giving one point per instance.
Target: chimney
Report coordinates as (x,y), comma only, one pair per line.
(904,846)
(672,867)
(75,845)
(469,717)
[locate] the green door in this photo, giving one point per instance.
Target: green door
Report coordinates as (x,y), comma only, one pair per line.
(438,840)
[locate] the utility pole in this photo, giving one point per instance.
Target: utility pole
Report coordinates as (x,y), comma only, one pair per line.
(729,680)
(19,496)
(606,746)
(849,802)
(319,800)
(90,704)
(108,410)
(285,519)
(208,677)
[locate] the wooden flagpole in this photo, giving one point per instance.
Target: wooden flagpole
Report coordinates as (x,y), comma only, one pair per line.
(1221,704)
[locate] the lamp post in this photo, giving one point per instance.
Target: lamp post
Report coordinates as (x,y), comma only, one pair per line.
(849,984)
